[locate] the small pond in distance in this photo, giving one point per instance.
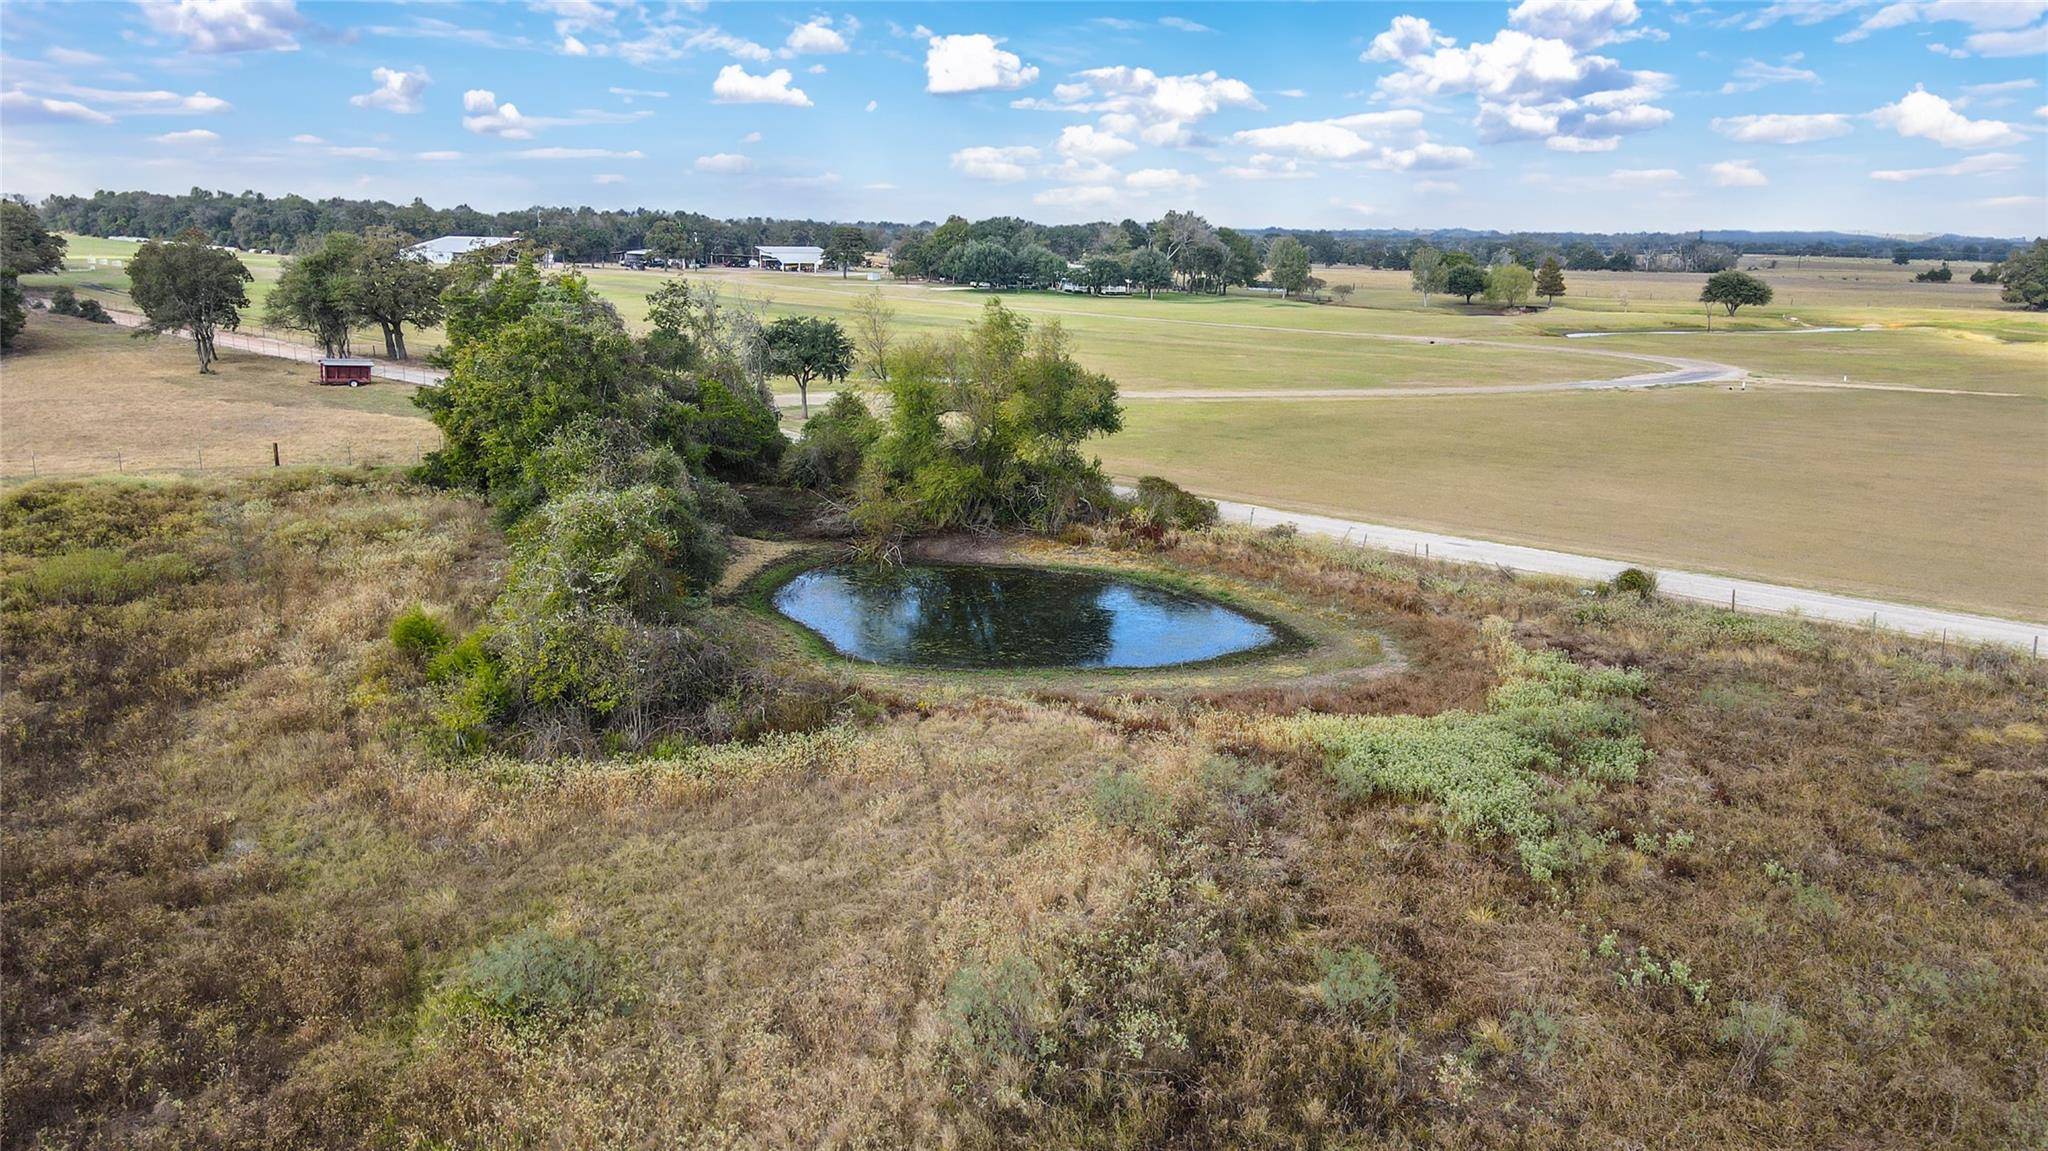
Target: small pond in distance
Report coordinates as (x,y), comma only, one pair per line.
(975,616)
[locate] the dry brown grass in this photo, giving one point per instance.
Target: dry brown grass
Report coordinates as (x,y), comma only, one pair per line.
(84,399)
(238,893)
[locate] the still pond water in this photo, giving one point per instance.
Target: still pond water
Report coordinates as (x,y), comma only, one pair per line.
(974,616)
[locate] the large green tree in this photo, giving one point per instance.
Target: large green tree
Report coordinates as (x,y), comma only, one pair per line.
(984,429)
(807,348)
(26,248)
(1732,290)
(1550,280)
(1244,264)
(1287,261)
(189,285)
(316,292)
(392,288)
(847,247)
(1426,272)
(2025,276)
(1151,270)
(1465,280)
(1508,285)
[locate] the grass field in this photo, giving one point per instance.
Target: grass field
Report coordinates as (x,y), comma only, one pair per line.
(1932,499)
(90,398)
(247,904)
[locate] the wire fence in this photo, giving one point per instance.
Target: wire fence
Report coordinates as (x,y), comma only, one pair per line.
(212,460)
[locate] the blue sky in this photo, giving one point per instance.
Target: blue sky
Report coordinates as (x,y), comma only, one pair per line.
(1600,115)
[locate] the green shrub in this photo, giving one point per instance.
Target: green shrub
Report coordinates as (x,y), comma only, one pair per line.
(740,437)
(418,635)
(91,309)
(1168,503)
(64,301)
(1355,985)
(1766,1037)
(995,1011)
(1490,771)
(835,443)
(532,982)
(1122,799)
(101,576)
(1634,581)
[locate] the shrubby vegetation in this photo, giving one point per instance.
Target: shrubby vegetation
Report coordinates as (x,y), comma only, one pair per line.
(983,430)
(26,248)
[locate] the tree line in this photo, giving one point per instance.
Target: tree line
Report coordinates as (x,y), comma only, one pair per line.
(256,222)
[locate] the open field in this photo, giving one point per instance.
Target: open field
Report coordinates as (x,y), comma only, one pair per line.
(86,398)
(1933,499)
(248,905)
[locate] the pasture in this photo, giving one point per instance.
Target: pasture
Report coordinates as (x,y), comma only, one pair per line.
(1937,499)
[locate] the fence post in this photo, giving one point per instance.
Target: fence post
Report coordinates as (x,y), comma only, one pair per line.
(276,460)
(117,462)
(1731,599)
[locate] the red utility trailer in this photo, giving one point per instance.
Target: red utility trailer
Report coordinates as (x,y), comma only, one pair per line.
(350,370)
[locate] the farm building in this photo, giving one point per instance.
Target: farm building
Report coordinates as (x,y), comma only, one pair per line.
(445,249)
(789,257)
(351,370)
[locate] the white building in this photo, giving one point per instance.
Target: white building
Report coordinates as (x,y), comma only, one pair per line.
(447,248)
(789,257)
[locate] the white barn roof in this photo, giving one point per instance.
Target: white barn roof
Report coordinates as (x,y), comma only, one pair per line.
(446,248)
(792,253)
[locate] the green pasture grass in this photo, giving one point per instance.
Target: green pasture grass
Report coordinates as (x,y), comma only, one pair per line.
(1935,499)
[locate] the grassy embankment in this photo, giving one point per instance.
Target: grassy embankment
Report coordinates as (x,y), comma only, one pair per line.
(1460,906)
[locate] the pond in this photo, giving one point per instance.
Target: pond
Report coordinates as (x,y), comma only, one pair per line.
(976,616)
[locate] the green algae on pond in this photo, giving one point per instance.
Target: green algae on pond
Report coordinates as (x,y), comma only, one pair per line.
(987,617)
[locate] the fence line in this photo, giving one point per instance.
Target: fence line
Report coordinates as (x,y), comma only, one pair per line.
(268,454)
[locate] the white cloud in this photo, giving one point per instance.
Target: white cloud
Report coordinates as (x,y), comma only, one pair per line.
(871,106)
(1406,37)
(1978,165)
(1580,23)
(1086,140)
(973,63)
(1135,96)
(2021,42)
(751,138)
(1352,206)
(396,91)
(608,178)
(228,25)
(1344,138)
(437,157)
(1922,113)
(1428,157)
(713,40)
(1643,177)
(1075,196)
(631,94)
(1005,165)
(483,115)
(1985,16)
(1783,128)
(1737,174)
(1751,75)
(1182,24)
(817,69)
(1292,93)
(2012,201)
(1582,143)
(73,58)
(1527,86)
(188,136)
(571,46)
(735,86)
(20,107)
(1161,180)
(307,138)
(131,102)
(1266,166)
(357,152)
(814,37)
(577,154)
(724,163)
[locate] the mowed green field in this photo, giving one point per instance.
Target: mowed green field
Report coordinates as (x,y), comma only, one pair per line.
(1929,499)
